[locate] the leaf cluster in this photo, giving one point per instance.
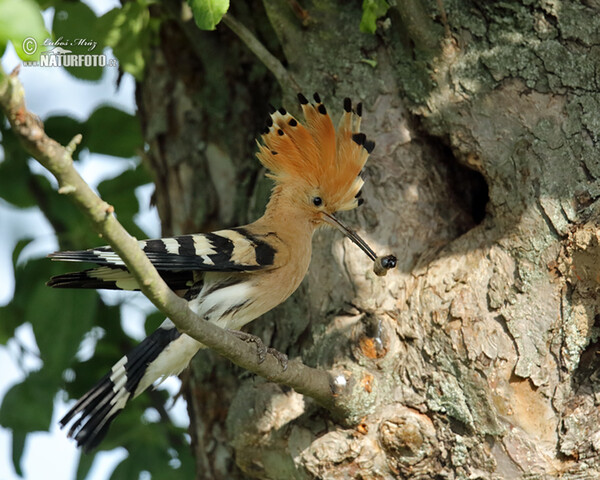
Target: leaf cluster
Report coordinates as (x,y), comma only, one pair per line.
(67,324)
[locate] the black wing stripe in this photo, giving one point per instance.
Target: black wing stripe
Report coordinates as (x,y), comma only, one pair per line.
(223,248)
(186,246)
(155,246)
(265,253)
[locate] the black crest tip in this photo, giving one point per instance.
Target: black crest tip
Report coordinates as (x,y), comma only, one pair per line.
(293,122)
(369,146)
(317,97)
(282,110)
(280,132)
(272,109)
(361,201)
(302,99)
(347,105)
(359,138)
(269,122)
(359,109)
(322,110)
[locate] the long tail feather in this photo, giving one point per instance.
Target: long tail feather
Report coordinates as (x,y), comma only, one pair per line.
(165,352)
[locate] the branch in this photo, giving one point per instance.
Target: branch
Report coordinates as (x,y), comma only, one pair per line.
(267,58)
(58,160)
(283,76)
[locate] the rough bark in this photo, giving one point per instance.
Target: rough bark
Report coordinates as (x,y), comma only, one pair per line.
(477,358)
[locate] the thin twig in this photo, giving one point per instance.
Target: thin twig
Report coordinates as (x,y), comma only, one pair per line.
(440,4)
(57,159)
(267,58)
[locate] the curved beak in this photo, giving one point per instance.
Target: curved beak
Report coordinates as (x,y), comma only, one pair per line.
(351,234)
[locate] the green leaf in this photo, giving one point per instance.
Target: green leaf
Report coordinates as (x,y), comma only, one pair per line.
(27,406)
(370,62)
(63,128)
(128,31)
(11,317)
(111,131)
(72,230)
(120,193)
(44,4)
(109,349)
(85,463)
(208,13)
(19,247)
(153,321)
(21,22)
(152,448)
(18,445)
(60,318)
(372,10)
(14,172)
(75,22)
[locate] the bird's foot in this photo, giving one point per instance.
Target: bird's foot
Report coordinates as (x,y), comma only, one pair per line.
(281,357)
(261,349)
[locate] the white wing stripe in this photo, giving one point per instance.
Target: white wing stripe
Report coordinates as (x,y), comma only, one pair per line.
(203,245)
(171,245)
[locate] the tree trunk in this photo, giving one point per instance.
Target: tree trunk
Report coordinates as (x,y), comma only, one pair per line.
(477,357)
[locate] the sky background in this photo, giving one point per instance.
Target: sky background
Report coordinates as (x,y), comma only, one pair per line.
(51,91)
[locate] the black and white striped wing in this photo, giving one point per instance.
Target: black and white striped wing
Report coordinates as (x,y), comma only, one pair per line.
(176,258)
(94,412)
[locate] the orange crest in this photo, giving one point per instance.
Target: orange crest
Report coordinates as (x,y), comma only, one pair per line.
(328,162)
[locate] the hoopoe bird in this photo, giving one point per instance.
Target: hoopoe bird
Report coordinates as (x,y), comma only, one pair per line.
(230,277)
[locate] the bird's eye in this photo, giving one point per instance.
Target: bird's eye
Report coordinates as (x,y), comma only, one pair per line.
(317,201)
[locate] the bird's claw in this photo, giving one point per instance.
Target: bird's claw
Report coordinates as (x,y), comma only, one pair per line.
(281,357)
(261,349)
